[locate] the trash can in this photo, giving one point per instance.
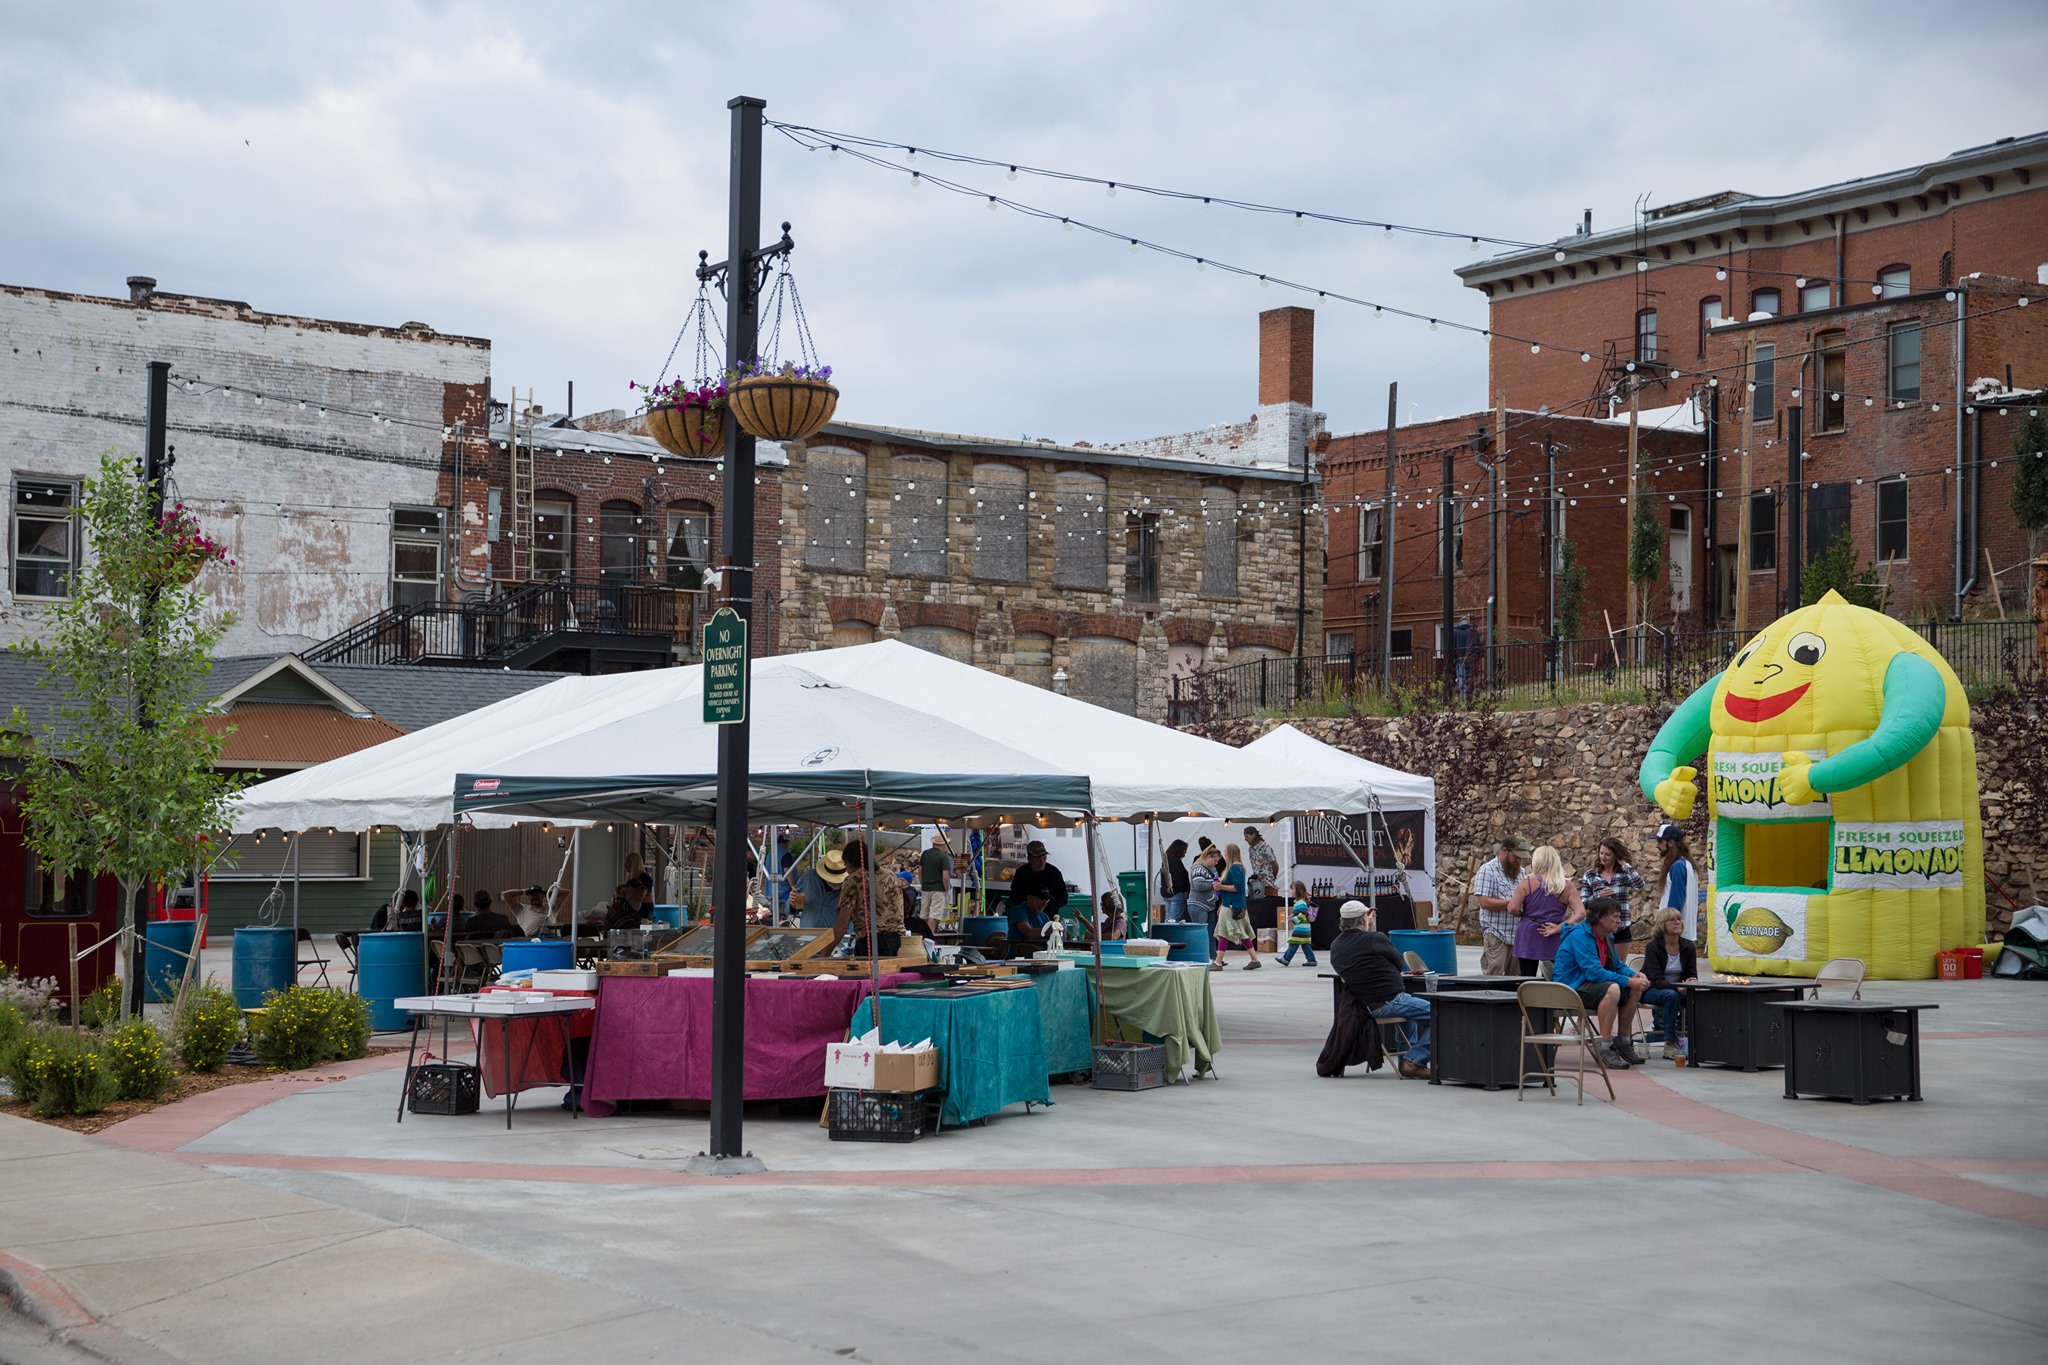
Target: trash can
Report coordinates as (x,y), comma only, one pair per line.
(541,954)
(982,928)
(1438,948)
(389,966)
(1190,940)
(265,960)
(669,916)
(1131,886)
(165,943)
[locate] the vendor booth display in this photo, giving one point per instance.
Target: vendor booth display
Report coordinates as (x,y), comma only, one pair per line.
(1842,794)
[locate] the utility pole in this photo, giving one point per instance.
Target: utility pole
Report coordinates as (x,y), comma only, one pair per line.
(1496,561)
(729,896)
(1742,508)
(1447,508)
(1795,498)
(155,465)
(1387,551)
(1551,539)
(1710,601)
(1628,520)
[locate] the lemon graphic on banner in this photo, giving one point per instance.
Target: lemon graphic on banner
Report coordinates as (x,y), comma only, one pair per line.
(1841,785)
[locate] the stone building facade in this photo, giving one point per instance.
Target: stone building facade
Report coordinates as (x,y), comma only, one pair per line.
(312,449)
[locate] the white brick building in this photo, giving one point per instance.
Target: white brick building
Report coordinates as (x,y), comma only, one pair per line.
(313,450)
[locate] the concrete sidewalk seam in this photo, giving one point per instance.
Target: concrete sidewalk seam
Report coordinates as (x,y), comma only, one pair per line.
(37,1295)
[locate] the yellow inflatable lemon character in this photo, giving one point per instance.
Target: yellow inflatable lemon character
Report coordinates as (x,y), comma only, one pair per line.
(1841,785)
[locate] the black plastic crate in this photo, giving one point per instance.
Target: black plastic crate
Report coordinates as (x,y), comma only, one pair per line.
(882,1115)
(445,1088)
(1129,1066)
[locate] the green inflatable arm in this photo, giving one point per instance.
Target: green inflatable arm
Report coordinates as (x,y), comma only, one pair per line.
(1683,738)
(1914,699)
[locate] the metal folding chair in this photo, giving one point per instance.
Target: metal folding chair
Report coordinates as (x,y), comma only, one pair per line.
(1555,995)
(1841,971)
(311,956)
(346,943)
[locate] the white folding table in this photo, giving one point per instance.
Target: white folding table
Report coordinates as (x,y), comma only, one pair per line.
(504,1006)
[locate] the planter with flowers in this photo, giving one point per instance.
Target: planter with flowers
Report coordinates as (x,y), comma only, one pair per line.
(786,402)
(185,549)
(686,420)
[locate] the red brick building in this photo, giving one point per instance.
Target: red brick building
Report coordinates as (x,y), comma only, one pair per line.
(1587,501)
(1889,310)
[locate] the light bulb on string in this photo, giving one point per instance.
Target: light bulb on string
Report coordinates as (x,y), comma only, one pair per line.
(1720,273)
(1559,255)
(835,153)
(1110,191)
(1012,175)
(1134,246)
(991,203)
(1067,223)
(1201,264)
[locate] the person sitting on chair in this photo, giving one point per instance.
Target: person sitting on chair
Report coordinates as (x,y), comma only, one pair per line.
(530,908)
(406,921)
(1371,969)
(1028,920)
(1669,960)
(628,907)
(1587,962)
(487,922)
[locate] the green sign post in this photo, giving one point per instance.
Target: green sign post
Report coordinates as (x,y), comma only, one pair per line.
(725,669)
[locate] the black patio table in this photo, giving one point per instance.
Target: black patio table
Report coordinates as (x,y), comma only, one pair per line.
(1728,1023)
(1856,1050)
(1476,1038)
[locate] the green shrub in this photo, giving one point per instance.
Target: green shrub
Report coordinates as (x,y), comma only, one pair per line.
(209,1028)
(13,1032)
(58,1072)
(302,1027)
(101,1009)
(140,1063)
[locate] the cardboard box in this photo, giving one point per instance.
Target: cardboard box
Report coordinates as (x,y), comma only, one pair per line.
(863,1066)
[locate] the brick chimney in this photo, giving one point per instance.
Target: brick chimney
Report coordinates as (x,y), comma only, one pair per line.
(140,287)
(1287,356)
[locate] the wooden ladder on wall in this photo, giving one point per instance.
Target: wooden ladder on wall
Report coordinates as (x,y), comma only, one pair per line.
(520,531)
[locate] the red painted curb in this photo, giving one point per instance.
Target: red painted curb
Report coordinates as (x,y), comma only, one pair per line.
(40,1298)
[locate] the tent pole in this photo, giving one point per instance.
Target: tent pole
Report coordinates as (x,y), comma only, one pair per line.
(1096,926)
(1151,876)
(874,916)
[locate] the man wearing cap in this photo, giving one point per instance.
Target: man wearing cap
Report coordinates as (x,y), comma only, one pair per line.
(529,908)
(1371,970)
(819,886)
(935,879)
(1038,891)
(1493,886)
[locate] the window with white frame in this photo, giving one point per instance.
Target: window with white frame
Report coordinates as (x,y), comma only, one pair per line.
(1815,295)
(1372,543)
(45,536)
(554,522)
(1904,368)
(689,544)
(1894,281)
(418,547)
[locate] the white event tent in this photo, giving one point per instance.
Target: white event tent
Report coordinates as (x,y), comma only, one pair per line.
(1285,746)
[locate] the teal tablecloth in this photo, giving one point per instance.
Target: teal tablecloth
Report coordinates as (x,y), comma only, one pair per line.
(1065,1002)
(991,1047)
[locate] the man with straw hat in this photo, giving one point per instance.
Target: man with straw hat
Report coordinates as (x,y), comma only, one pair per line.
(819,889)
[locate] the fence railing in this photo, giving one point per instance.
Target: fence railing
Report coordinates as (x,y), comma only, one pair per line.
(492,630)
(1648,665)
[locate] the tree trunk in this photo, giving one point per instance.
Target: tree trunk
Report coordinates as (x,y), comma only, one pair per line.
(131,994)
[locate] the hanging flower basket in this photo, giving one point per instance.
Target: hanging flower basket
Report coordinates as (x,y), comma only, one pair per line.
(792,403)
(185,550)
(684,420)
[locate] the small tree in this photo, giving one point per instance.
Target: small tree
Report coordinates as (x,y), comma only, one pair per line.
(1571,589)
(1645,542)
(1835,567)
(2030,480)
(123,782)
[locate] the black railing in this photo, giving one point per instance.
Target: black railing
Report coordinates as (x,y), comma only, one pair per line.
(497,629)
(1652,664)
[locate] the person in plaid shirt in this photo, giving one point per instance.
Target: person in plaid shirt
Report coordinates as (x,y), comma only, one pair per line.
(1493,886)
(1614,876)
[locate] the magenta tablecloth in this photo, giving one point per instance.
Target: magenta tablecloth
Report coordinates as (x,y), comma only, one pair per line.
(653,1037)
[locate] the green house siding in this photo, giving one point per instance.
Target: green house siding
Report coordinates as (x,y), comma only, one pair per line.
(324,906)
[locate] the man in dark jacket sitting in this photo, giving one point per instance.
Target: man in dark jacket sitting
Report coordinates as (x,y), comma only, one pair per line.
(1365,959)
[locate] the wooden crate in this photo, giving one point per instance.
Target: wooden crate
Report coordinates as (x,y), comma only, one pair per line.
(645,966)
(985,969)
(857,966)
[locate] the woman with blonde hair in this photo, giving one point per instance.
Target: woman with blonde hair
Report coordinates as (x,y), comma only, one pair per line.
(1543,902)
(1233,917)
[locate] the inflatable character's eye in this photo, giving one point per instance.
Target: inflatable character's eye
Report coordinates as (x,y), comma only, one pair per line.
(1749,651)
(1806,648)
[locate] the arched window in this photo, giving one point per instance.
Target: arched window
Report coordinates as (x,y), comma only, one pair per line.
(554,533)
(1768,301)
(1894,281)
(1219,542)
(620,537)
(689,544)
(836,510)
(1080,553)
(1710,313)
(1000,528)
(917,516)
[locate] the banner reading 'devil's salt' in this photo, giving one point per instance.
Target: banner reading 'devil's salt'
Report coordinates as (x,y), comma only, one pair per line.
(1745,787)
(1897,855)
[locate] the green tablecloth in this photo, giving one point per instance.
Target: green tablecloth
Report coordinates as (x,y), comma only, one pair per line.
(1065,1001)
(1173,1004)
(991,1047)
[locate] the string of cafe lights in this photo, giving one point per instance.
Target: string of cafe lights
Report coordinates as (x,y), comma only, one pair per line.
(825,139)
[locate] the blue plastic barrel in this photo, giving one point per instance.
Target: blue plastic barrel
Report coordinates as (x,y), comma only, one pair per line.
(165,942)
(669,916)
(389,966)
(982,928)
(541,954)
(1190,940)
(1438,948)
(265,960)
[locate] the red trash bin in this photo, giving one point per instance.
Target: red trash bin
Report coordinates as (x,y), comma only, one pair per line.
(1973,964)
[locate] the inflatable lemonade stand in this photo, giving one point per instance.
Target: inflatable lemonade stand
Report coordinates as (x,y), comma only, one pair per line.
(1842,792)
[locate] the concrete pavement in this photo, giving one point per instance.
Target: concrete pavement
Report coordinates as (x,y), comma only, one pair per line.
(1266,1213)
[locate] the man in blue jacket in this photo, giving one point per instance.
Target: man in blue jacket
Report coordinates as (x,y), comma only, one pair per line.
(1588,963)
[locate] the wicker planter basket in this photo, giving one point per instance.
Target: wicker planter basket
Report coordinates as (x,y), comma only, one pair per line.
(688,431)
(778,409)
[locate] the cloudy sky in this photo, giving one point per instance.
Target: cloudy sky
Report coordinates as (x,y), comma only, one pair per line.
(543,175)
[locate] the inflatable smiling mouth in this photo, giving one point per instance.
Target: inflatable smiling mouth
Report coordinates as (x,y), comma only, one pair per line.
(1754,709)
